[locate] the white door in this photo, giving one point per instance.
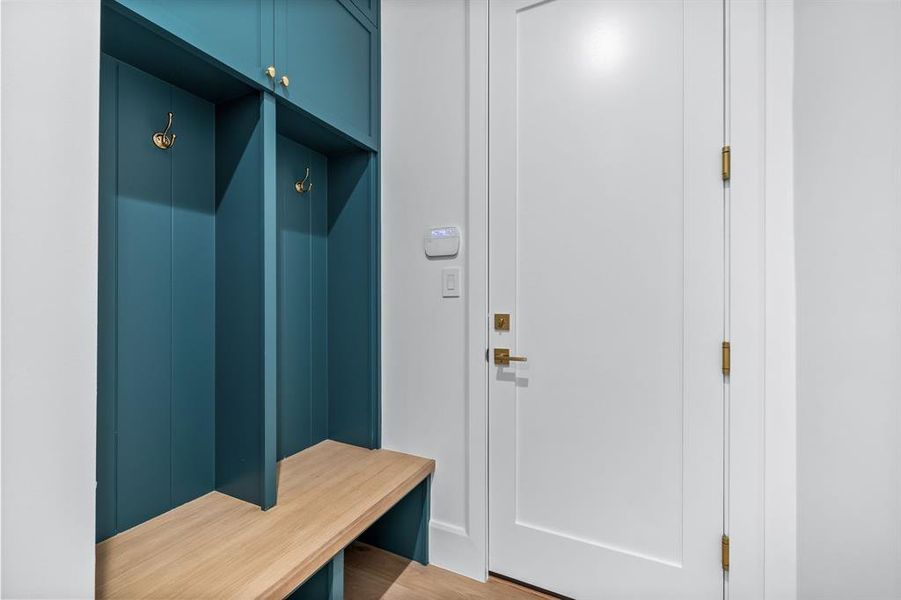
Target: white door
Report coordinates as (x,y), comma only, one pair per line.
(607,249)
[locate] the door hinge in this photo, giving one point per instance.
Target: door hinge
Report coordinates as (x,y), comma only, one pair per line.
(727,163)
(727,357)
(725,548)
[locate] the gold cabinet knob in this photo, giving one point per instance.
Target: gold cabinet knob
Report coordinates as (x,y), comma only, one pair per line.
(285,81)
(270,71)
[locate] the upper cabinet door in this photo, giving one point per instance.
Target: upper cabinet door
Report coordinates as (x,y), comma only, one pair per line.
(328,50)
(237,33)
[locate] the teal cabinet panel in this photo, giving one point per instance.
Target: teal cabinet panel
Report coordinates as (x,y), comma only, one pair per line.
(352,300)
(270,303)
(319,299)
(404,530)
(106,302)
(302,293)
(237,33)
(240,301)
(193,297)
(329,51)
(326,584)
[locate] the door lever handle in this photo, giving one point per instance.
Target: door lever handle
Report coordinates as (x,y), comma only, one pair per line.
(502,357)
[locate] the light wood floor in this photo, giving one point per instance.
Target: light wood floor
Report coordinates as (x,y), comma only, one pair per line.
(372,574)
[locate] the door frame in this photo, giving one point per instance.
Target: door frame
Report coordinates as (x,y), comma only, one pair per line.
(761,515)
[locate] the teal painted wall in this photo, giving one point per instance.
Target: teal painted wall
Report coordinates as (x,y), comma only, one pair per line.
(156,302)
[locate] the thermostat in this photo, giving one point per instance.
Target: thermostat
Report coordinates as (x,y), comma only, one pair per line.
(443,241)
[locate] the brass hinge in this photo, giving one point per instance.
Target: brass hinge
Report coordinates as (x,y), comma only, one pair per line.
(727,163)
(725,546)
(727,357)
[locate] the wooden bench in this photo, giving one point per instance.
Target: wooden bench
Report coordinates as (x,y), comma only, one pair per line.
(219,547)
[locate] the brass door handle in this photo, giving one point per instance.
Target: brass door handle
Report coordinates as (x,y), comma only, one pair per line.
(502,357)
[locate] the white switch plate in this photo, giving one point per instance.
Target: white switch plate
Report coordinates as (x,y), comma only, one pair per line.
(451,282)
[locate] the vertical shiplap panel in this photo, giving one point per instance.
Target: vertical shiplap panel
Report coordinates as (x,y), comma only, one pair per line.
(294,423)
(318,202)
(193,297)
(303,376)
(144,301)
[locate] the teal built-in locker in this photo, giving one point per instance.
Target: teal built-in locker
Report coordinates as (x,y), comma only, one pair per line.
(238,294)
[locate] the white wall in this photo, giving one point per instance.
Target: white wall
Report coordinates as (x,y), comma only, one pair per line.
(432,175)
(848,218)
(48,243)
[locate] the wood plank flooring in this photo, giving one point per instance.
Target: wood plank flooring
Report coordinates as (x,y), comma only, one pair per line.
(372,574)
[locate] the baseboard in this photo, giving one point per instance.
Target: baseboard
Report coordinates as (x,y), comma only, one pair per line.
(452,548)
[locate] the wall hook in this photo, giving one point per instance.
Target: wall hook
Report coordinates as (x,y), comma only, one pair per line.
(302,186)
(162,139)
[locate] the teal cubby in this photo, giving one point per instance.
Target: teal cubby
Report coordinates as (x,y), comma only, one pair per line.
(181,300)
(328,293)
(157,306)
(237,318)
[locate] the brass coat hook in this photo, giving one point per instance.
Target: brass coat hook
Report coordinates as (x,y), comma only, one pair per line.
(162,139)
(302,186)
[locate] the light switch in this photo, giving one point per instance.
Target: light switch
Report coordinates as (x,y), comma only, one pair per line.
(450,282)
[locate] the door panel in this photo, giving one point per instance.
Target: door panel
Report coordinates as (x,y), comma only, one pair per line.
(607,249)
(328,50)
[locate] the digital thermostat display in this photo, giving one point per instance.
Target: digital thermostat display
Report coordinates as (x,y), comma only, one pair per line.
(442,241)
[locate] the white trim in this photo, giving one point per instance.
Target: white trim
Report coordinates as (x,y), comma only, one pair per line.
(780,423)
(762,523)
(465,549)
